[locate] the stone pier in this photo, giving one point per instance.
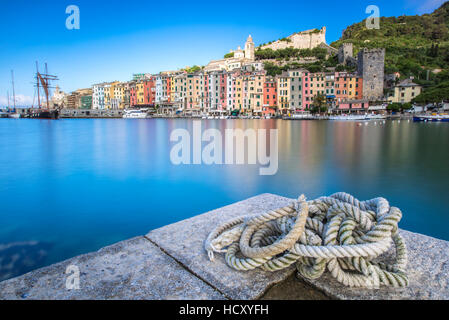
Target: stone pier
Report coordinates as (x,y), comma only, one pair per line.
(170,263)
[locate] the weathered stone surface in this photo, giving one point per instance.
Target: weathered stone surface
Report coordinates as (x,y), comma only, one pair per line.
(428,270)
(170,263)
(133,269)
(184,241)
(428,266)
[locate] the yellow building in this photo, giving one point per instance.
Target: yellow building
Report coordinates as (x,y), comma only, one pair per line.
(112,95)
(119,96)
(108,94)
(317,84)
(239,98)
(180,89)
(405,92)
(172,88)
(255,93)
(140,93)
(283,85)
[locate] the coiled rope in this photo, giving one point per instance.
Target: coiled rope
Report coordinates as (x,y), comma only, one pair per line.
(339,233)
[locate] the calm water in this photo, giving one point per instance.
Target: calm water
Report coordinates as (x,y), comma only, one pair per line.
(73,186)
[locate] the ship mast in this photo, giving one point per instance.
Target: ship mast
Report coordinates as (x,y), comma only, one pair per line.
(38,89)
(13,90)
(44,81)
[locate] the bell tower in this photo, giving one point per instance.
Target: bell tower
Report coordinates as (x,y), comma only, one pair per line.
(250,49)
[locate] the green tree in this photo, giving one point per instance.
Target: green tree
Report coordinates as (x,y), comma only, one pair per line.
(319,104)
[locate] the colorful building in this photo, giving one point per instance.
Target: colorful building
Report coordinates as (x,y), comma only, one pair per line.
(405,92)
(296,89)
(149,94)
(98,96)
(283,87)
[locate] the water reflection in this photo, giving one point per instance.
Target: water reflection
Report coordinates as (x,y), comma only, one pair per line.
(22,257)
(84,184)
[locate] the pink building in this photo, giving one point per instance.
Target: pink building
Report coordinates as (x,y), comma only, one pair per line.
(307,91)
(353,105)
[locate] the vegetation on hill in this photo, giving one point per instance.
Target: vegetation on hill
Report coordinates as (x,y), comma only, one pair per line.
(290,52)
(193,69)
(415,46)
(288,59)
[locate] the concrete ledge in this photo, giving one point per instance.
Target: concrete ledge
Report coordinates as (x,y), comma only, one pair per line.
(170,263)
(184,241)
(130,270)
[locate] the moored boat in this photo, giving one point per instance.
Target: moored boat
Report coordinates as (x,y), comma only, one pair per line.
(136,114)
(45,114)
(44,81)
(431,118)
(355,117)
(14,115)
(377,117)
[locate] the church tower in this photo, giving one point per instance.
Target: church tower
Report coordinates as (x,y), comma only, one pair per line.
(249,49)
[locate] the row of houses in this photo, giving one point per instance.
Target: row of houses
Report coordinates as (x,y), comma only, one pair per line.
(220,91)
(246,88)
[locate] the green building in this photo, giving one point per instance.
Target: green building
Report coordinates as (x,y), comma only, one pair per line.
(86,102)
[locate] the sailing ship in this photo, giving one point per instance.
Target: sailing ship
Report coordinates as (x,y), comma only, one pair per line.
(43,80)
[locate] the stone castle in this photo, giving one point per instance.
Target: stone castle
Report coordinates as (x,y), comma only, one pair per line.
(309,39)
(370,65)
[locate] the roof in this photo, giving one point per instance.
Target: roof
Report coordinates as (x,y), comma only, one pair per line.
(407,83)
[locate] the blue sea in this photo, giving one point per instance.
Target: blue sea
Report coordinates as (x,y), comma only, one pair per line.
(69,187)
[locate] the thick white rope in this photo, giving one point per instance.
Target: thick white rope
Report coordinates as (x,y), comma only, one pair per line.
(338,233)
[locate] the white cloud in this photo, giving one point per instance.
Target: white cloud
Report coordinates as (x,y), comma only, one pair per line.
(21,101)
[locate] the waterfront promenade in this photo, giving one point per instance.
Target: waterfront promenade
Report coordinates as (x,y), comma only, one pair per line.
(118,114)
(170,263)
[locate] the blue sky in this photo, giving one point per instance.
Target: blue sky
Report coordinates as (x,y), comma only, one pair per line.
(119,38)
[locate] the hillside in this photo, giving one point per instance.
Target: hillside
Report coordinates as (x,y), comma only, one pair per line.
(414,44)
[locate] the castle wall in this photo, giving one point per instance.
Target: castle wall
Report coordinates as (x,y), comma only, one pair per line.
(303,40)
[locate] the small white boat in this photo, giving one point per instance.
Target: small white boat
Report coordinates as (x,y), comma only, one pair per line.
(350,117)
(135,114)
(377,117)
(14,115)
(300,116)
